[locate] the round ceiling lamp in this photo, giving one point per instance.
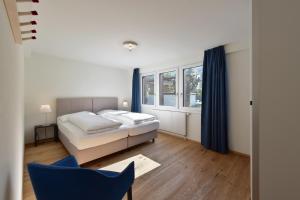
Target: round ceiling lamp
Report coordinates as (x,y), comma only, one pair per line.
(130,45)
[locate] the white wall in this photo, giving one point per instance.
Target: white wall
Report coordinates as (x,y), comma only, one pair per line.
(47,78)
(238,67)
(276,87)
(11,112)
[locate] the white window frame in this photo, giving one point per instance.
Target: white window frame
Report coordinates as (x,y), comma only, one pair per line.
(181,88)
(155,90)
(158,89)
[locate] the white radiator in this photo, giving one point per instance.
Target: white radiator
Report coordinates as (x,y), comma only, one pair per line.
(172,121)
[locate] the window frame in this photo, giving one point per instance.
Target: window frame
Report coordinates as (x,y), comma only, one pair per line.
(181,82)
(179,88)
(176,91)
(141,88)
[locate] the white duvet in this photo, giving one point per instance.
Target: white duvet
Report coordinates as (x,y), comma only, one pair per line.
(126,117)
(138,118)
(91,123)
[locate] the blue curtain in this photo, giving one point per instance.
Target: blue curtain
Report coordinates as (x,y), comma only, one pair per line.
(136,92)
(214,101)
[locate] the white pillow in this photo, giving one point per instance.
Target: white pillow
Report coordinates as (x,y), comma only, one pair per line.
(114,112)
(90,123)
(105,111)
(65,118)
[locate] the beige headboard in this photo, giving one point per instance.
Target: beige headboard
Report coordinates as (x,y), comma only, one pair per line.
(76,104)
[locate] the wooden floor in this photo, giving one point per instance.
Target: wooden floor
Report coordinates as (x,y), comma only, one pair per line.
(187,171)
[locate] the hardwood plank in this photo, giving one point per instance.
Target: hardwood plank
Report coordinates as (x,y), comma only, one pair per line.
(187,171)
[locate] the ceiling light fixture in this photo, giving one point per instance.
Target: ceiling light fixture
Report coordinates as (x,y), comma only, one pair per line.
(130,45)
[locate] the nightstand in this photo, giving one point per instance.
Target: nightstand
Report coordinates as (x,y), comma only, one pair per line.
(45,127)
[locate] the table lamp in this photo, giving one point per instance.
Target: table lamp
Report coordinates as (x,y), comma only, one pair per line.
(45,109)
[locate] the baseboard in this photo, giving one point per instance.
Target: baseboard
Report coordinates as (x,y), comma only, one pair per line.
(178,135)
(173,134)
(240,154)
(31,144)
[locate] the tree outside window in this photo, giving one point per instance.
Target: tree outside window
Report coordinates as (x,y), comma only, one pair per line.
(192,86)
(167,88)
(148,89)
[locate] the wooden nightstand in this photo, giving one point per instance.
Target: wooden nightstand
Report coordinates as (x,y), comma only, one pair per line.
(36,132)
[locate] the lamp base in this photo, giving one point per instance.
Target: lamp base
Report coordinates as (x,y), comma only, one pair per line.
(46,120)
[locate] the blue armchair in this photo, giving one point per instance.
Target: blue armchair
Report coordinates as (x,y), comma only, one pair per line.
(65,180)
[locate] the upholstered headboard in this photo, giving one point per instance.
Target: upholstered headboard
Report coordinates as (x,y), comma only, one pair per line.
(93,104)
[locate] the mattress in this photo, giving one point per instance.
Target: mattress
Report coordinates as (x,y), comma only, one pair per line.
(81,140)
(142,128)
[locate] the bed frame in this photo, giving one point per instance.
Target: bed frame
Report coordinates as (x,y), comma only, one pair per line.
(94,104)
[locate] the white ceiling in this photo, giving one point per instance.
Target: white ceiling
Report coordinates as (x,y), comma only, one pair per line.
(94,30)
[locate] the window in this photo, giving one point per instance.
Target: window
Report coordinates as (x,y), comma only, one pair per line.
(167,88)
(148,89)
(167,83)
(192,86)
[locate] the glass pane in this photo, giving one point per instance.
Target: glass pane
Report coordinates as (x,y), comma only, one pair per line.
(148,89)
(192,86)
(167,88)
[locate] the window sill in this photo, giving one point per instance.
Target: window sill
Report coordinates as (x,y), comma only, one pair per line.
(183,110)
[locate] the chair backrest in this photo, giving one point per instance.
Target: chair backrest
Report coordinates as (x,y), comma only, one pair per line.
(62,183)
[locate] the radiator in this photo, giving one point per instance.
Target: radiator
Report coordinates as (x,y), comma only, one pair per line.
(172,121)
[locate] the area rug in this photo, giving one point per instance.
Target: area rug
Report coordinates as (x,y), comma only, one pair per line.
(142,165)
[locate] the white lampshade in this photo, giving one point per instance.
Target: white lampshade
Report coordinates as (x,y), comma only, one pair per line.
(45,109)
(125,104)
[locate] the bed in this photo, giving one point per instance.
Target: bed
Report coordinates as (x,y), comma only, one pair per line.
(92,146)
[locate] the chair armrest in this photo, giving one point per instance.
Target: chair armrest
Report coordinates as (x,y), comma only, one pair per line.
(69,161)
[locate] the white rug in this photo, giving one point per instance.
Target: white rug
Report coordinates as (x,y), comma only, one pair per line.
(142,165)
